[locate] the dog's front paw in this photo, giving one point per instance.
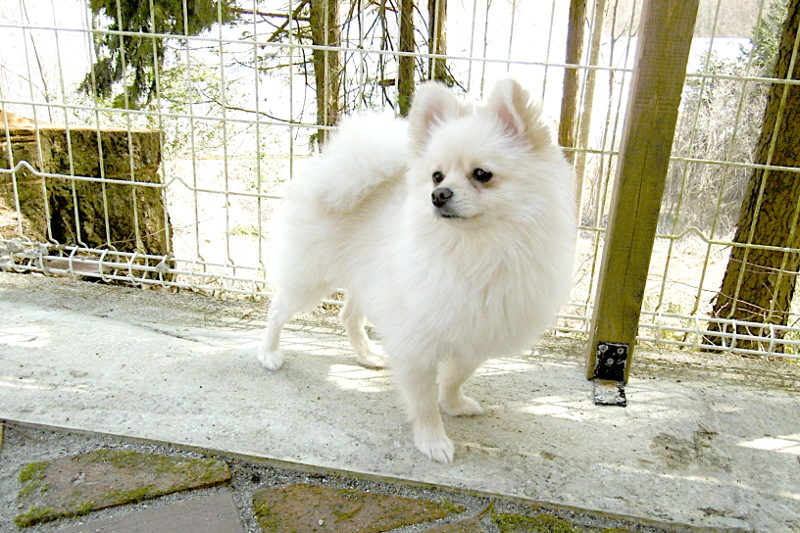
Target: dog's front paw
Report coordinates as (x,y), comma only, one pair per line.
(461,406)
(438,447)
(270,359)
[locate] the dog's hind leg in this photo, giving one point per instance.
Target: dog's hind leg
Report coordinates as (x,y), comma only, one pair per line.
(453,372)
(285,304)
(368,353)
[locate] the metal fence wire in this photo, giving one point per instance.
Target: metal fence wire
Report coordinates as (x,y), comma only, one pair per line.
(147,142)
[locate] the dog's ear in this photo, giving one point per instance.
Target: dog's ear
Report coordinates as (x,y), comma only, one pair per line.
(518,115)
(433,104)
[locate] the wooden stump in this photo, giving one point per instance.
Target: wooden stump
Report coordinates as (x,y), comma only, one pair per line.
(63,207)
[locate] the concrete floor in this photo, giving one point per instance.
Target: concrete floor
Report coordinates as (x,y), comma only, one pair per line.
(715,446)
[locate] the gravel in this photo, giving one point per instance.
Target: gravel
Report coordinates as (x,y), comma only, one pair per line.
(22,444)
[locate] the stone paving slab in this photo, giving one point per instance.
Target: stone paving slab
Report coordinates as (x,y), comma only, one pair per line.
(215,513)
(541,523)
(308,508)
(74,486)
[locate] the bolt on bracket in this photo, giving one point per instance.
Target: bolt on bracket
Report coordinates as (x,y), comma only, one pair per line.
(609,374)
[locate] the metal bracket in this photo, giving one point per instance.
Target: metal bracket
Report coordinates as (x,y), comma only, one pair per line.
(609,374)
(609,393)
(610,361)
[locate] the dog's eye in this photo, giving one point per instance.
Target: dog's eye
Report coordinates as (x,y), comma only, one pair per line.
(438,177)
(481,175)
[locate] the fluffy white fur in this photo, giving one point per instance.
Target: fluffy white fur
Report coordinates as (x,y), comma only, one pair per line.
(446,287)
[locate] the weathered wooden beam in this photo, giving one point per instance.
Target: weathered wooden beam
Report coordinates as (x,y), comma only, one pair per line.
(661,54)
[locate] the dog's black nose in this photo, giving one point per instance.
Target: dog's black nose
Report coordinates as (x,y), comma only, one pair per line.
(440,196)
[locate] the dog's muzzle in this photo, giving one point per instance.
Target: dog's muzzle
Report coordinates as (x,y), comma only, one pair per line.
(445,205)
(441,195)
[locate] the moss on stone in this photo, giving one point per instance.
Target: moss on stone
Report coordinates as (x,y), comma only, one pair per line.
(38,514)
(268,520)
(540,523)
(449,507)
(545,523)
(195,470)
(33,516)
(32,477)
(32,471)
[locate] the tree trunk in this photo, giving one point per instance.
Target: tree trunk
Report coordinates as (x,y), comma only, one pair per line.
(759,283)
(405,67)
(569,102)
(87,214)
(437,40)
(585,129)
(325,31)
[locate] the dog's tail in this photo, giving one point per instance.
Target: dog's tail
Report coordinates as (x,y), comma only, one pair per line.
(365,152)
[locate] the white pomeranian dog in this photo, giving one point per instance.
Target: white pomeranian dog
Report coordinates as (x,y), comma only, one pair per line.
(453,232)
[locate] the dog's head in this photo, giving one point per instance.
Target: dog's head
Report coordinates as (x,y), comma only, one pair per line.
(478,162)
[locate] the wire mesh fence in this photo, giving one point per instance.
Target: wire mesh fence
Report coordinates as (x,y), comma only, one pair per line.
(147,142)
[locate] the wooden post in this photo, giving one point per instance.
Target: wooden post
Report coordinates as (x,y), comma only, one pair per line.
(660,69)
